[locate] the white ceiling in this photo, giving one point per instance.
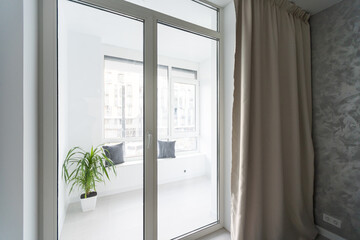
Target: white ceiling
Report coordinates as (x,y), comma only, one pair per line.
(311,6)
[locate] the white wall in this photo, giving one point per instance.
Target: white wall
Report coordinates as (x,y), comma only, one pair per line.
(18,119)
(11,119)
(85,74)
(229,51)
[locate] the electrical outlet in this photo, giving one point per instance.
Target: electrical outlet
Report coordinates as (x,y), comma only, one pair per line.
(331,220)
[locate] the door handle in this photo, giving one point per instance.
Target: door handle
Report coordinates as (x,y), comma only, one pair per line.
(149,136)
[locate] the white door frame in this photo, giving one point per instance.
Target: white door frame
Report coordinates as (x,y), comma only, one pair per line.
(48,108)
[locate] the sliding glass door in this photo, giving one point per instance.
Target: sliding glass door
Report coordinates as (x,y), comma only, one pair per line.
(101,111)
(138,125)
(187,132)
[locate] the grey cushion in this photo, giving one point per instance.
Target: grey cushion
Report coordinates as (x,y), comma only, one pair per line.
(166,149)
(115,153)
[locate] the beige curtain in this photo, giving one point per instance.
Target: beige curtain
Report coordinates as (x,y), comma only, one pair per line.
(273,158)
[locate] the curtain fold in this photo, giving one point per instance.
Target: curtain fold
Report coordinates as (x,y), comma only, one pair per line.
(273,158)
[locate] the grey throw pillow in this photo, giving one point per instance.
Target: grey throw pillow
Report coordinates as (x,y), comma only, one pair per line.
(115,153)
(166,149)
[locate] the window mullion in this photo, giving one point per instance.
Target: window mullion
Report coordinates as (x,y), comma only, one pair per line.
(150,129)
(171,103)
(123,122)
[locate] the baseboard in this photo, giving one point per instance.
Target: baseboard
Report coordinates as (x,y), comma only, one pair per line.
(328,234)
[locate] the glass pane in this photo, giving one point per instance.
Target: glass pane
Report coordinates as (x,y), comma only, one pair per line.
(187,183)
(188,10)
(101,103)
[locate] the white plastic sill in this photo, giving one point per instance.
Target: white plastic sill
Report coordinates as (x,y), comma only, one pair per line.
(137,162)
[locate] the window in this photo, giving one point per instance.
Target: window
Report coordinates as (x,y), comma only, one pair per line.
(182,99)
(123,107)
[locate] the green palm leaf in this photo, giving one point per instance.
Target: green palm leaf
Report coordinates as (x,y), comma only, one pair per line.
(82,169)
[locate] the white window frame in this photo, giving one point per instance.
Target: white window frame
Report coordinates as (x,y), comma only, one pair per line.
(172,135)
(131,55)
(48,111)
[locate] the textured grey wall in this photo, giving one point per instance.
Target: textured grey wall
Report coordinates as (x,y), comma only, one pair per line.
(336,115)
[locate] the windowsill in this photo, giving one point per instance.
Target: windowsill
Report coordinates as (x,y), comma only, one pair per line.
(139,161)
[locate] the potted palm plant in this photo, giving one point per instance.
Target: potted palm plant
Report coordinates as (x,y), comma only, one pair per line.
(83,170)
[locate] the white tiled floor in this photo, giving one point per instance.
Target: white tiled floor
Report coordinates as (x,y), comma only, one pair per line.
(183,206)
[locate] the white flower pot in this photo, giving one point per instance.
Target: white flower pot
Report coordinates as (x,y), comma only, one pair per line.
(89,203)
